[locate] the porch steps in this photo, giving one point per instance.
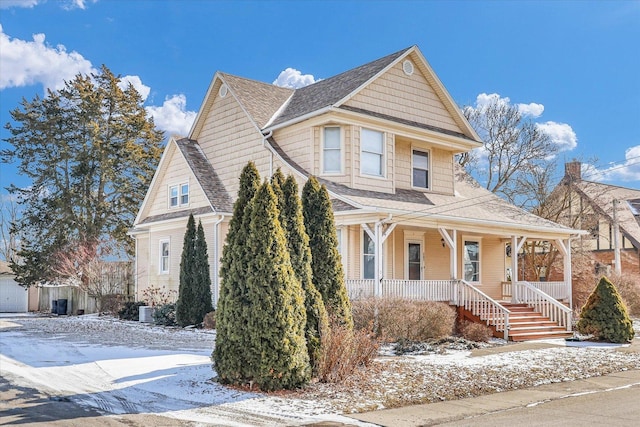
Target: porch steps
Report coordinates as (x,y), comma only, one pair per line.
(526,324)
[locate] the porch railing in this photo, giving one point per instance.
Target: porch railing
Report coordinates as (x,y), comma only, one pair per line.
(557,290)
(483,306)
(529,294)
(421,290)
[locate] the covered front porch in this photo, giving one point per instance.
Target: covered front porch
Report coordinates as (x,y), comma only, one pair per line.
(475,270)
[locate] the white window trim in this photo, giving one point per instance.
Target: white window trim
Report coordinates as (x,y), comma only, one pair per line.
(429,173)
(179,188)
(342,148)
(415,239)
(383,176)
(160,256)
(362,254)
(477,239)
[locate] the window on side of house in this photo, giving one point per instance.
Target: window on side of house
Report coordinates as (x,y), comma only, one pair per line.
(179,195)
(369,257)
(471,261)
(332,150)
(164,257)
(372,152)
(420,163)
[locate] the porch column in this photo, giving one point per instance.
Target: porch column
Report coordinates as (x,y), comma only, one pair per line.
(564,246)
(379,235)
(452,242)
(516,245)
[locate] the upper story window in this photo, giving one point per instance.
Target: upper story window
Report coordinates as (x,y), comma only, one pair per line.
(164,256)
(372,152)
(332,150)
(420,162)
(178,195)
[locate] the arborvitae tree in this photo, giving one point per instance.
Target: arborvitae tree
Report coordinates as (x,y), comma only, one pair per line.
(300,253)
(186,297)
(202,285)
(277,184)
(326,264)
(605,316)
(232,341)
(278,353)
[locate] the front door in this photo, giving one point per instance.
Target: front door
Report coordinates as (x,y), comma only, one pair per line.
(414,261)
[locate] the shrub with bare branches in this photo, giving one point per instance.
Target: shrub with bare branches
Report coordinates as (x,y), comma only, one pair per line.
(399,319)
(477,332)
(344,350)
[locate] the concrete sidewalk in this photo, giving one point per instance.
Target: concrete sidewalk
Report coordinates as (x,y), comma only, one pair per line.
(445,412)
(464,409)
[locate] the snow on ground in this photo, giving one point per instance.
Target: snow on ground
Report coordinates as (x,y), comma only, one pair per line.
(128,367)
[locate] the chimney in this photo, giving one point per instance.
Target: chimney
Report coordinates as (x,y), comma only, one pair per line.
(573,171)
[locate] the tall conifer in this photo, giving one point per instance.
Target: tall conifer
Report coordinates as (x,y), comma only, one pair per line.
(186,297)
(278,353)
(300,253)
(232,341)
(202,286)
(326,264)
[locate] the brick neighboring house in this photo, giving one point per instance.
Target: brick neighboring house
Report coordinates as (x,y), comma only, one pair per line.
(597,207)
(383,138)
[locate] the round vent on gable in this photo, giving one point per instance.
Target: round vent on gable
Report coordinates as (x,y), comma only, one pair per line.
(223,91)
(407,67)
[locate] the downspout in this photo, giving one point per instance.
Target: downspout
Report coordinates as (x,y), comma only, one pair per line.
(268,147)
(216,261)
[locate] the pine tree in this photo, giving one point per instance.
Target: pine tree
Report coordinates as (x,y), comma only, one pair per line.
(232,341)
(202,285)
(326,264)
(186,297)
(278,353)
(300,253)
(605,316)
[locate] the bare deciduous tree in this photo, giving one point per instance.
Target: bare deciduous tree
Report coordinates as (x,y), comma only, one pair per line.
(517,156)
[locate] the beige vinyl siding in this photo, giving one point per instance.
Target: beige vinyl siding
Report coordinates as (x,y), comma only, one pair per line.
(491,263)
(355,253)
(437,262)
(142,263)
(177,172)
(297,142)
(441,165)
(345,177)
(230,141)
(166,281)
(407,97)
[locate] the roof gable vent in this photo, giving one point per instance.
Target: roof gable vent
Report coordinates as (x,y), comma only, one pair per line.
(223,91)
(407,67)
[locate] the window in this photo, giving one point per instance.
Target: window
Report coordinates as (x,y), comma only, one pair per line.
(471,261)
(369,260)
(164,256)
(178,195)
(372,152)
(420,161)
(184,194)
(331,150)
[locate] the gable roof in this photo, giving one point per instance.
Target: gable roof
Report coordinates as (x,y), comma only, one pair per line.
(205,174)
(602,196)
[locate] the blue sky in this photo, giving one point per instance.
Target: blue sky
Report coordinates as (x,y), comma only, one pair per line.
(573,66)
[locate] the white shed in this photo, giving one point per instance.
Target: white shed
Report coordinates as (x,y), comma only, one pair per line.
(13,297)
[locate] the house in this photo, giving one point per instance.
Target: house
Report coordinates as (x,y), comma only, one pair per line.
(609,213)
(383,138)
(13,297)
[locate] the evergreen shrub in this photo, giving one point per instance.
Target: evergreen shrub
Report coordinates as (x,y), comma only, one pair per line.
(165,315)
(605,316)
(131,310)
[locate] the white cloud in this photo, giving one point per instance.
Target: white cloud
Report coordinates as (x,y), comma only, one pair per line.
(136,82)
(561,134)
(534,110)
(66,5)
(629,170)
(293,79)
(27,63)
(172,117)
